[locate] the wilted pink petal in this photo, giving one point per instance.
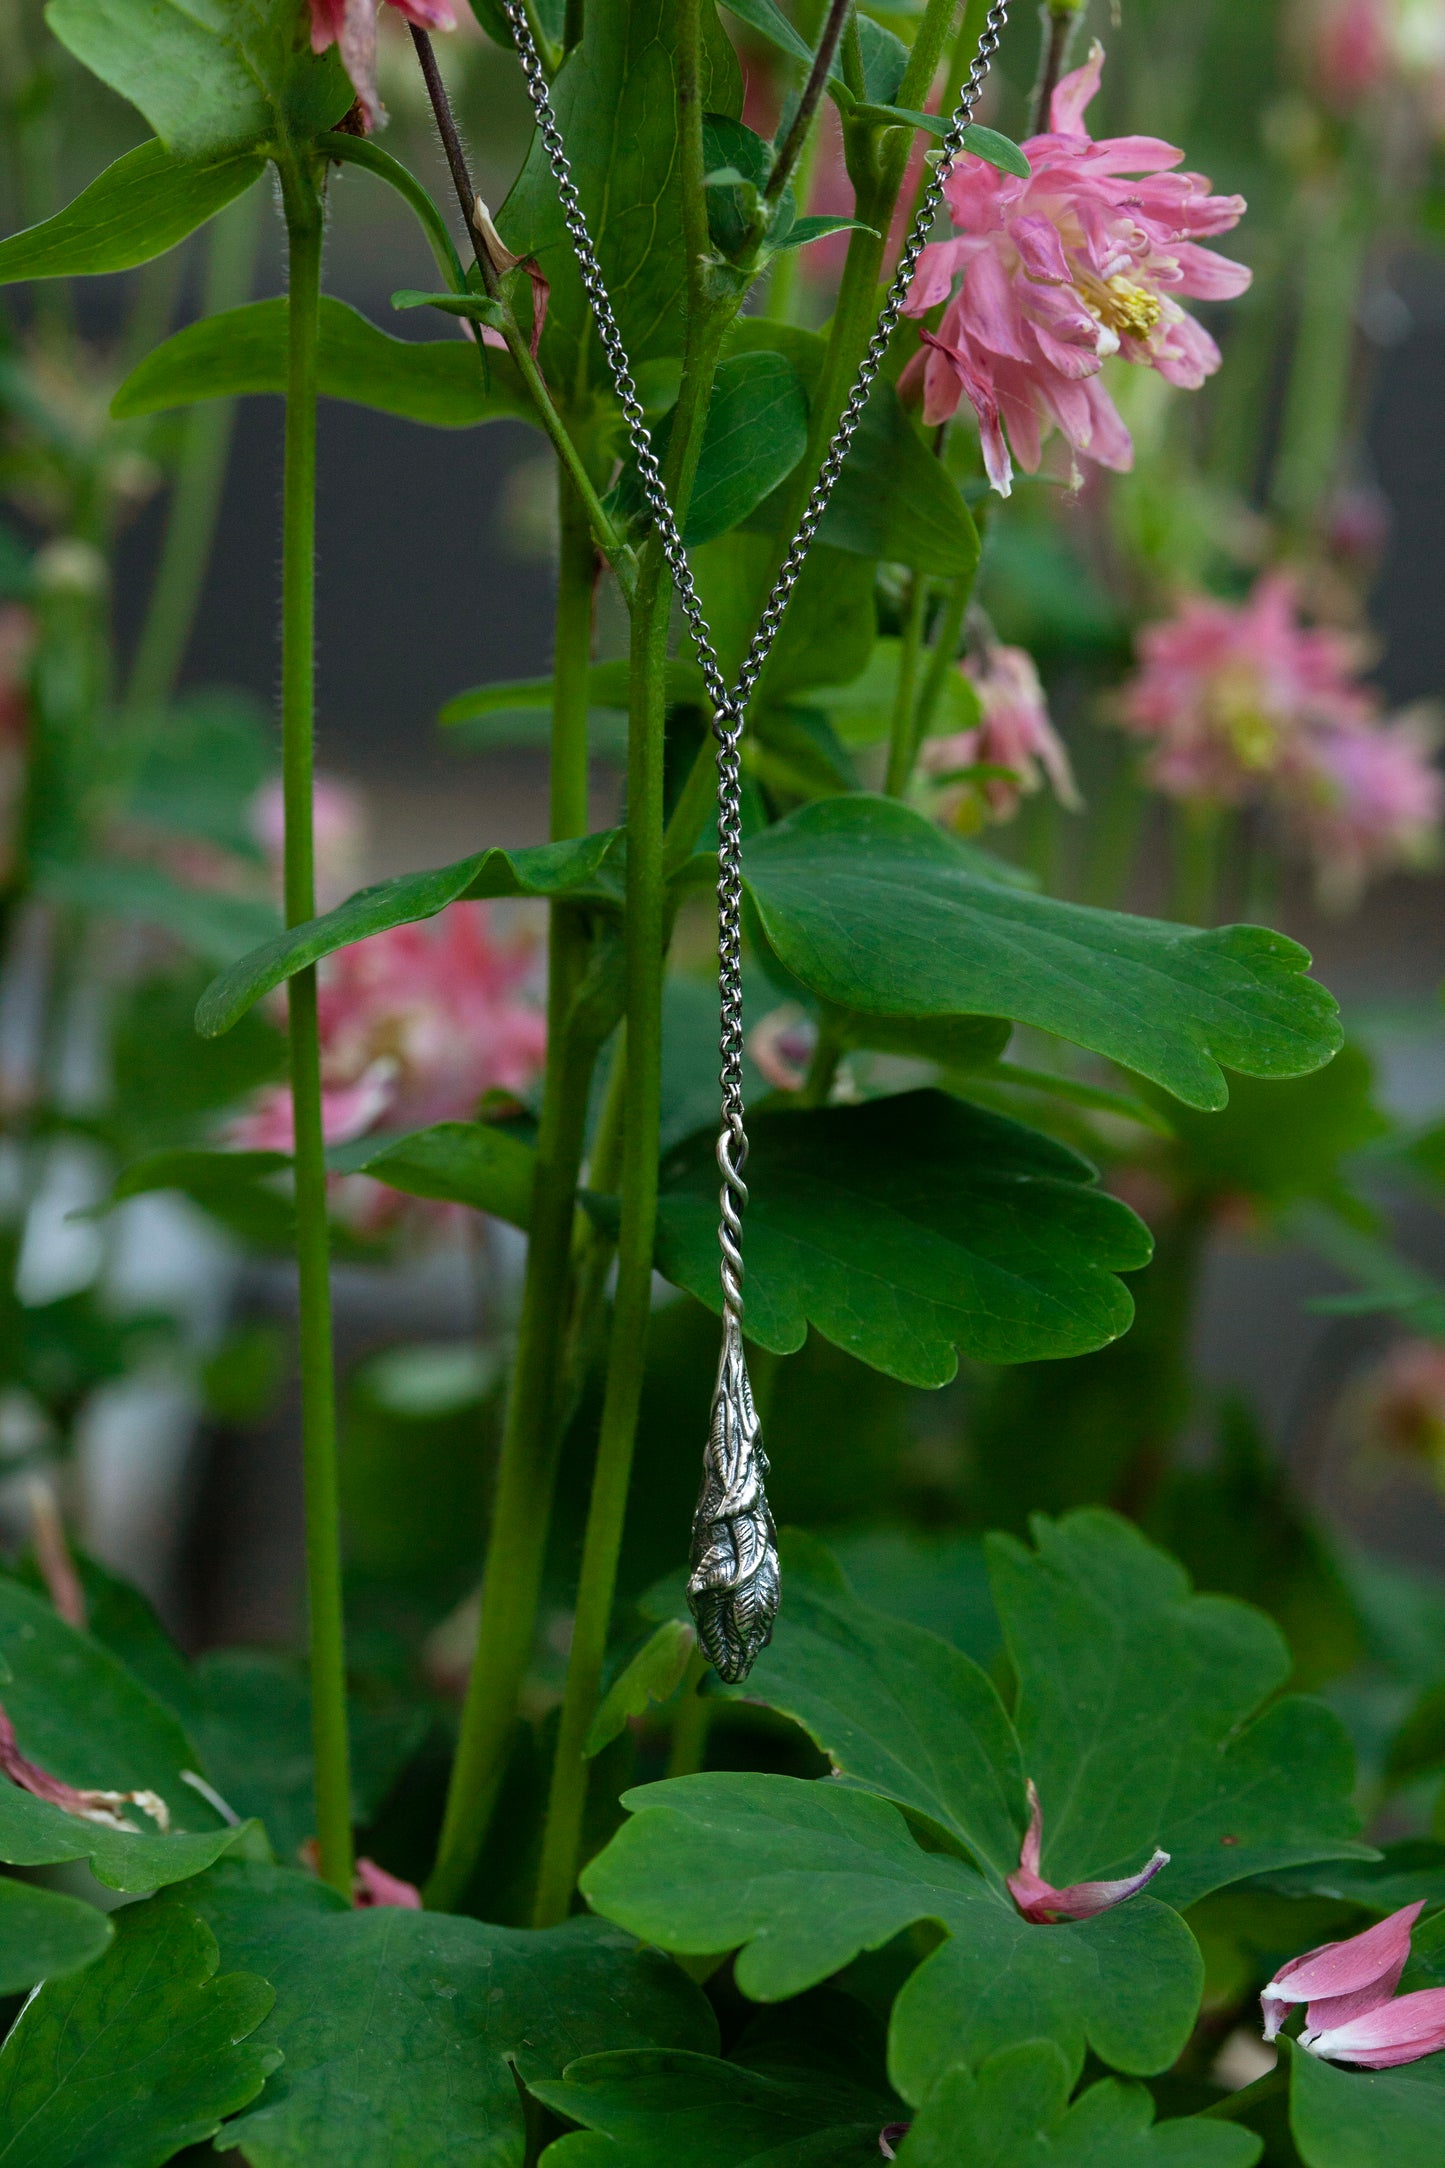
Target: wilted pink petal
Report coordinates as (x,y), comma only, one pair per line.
(1087,257)
(52,1553)
(89,1806)
(1040,1902)
(1395,2032)
(374,1886)
(351,25)
(1366,802)
(1342,1980)
(891,2137)
(781,1046)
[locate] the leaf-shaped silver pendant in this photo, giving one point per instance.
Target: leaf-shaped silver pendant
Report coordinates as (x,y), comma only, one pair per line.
(734,1584)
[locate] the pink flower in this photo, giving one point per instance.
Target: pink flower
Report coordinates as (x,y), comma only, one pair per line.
(338,829)
(1014,733)
(1355,49)
(417,1024)
(351,25)
(1402,1405)
(1342,1980)
(891,2137)
(87,1805)
(1061,270)
(1395,2032)
(374,1886)
(1366,802)
(781,1046)
(1040,1902)
(1225,690)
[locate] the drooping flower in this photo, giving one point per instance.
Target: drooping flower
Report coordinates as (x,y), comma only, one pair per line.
(351,25)
(1046,1906)
(1341,1981)
(1088,257)
(1226,691)
(417,1024)
(1366,802)
(1014,735)
(1401,2031)
(89,1805)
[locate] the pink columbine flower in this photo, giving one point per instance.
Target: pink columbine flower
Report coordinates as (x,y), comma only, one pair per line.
(1355,49)
(1342,1981)
(1395,2032)
(351,25)
(373,1886)
(1088,257)
(1014,733)
(417,1024)
(1366,802)
(1225,690)
(1040,1902)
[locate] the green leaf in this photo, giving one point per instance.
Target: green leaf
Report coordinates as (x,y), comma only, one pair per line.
(476,308)
(470,1163)
(802,1877)
(996,150)
(1015,2114)
(873,908)
(237,1188)
(138,208)
(404,2033)
(906,1229)
(141,2055)
(653,1674)
(210,76)
(1114,1656)
(81,1716)
(828,629)
(615,98)
(894,1708)
(862,712)
(771,23)
(588,870)
(212,924)
(1367,2118)
(606,688)
(437,381)
(1279,1143)
(817,228)
(756,431)
(669,2109)
(43,1934)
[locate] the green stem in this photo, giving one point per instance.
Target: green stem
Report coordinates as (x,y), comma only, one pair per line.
(1061,20)
(200,477)
(1197,837)
(828,1050)
(646,940)
(318,1382)
(902,730)
(1318,396)
(943,654)
(690,1725)
(536,1405)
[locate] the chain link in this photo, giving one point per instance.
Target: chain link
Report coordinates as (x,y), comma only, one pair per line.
(730,703)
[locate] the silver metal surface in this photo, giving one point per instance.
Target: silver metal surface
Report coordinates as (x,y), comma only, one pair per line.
(733,1587)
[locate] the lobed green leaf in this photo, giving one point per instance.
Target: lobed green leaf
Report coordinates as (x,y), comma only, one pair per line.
(137,209)
(44,1934)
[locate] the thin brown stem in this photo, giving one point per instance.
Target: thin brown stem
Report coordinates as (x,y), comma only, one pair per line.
(1061,18)
(813,89)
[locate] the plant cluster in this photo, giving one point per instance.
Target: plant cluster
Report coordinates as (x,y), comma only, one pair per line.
(1068,1747)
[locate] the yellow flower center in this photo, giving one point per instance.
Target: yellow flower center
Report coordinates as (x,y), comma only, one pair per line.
(1129,310)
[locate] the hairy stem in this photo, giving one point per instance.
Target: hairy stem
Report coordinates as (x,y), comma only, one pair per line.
(690,1725)
(613,548)
(200,477)
(536,1405)
(791,148)
(902,731)
(318,1381)
(1061,20)
(646,940)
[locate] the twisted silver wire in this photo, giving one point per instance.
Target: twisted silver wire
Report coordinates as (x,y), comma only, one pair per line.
(741,1626)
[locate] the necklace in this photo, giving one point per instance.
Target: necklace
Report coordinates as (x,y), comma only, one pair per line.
(734,1585)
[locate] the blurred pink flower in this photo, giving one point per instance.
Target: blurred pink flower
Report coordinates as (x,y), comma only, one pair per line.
(1046,1906)
(1014,733)
(1354,49)
(1225,690)
(1366,802)
(416,1025)
(351,25)
(1342,1980)
(338,828)
(781,1046)
(374,1886)
(1060,271)
(1400,1406)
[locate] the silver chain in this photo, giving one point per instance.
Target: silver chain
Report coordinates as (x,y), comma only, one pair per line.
(734,1583)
